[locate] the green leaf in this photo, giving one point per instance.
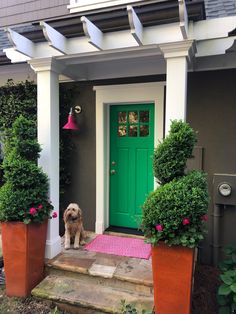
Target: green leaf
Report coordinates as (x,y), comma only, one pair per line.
(26,221)
(224,310)
(233,287)
(226,279)
(223,267)
(192,240)
(222,300)
(224,290)
(230,273)
(234,258)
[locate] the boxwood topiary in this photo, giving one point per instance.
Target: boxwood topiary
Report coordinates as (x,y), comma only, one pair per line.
(24,196)
(176,211)
(170,156)
(171,204)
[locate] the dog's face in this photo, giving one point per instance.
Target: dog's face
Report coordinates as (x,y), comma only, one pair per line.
(72,213)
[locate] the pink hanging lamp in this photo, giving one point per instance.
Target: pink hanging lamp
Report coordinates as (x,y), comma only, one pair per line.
(71,123)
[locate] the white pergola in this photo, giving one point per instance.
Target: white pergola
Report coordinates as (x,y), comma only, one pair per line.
(172,49)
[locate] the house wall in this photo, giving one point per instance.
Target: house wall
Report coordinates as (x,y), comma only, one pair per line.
(212,112)
(17,72)
(82,189)
(14,12)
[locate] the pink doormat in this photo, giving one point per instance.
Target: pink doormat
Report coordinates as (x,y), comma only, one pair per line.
(120,246)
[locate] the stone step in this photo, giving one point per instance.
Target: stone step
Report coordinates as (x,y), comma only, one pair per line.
(104,282)
(80,294)
(129,274)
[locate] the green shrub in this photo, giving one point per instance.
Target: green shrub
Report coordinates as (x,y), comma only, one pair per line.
(170,156)
(175,212)
(127,308)
(168,207)
(21,99)
(24,196)
(17,99)
(227,291)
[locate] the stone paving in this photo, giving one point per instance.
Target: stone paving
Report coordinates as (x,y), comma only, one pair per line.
(105,265)
(93,282)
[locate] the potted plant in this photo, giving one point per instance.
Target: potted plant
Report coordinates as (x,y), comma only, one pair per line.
(173,220)
(24,209)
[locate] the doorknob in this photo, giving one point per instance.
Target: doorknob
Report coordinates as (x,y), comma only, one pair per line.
(113,171)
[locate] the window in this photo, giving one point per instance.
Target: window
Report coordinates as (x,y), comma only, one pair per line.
(133,123)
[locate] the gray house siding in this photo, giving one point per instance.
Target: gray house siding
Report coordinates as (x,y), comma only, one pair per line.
(82,189)
(14,12)
(220,8)
(212,111)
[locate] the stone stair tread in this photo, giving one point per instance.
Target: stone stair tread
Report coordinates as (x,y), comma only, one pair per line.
(74,292)
(134,270)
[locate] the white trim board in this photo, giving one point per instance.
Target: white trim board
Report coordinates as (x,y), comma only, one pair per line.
(87,5)
(118,95)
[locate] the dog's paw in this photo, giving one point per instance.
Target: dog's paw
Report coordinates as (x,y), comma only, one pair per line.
(82,242)
(67,247)
(76,247)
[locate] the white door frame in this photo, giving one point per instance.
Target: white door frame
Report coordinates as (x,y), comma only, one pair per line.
(117,95)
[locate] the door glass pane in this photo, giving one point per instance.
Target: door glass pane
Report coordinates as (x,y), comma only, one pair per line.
(122,117)
(133,116)
(122,130)
(133,130)
(144,116)
(144,130)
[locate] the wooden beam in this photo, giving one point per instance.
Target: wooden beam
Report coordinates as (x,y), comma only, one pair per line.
(183,19)
(20,43)
(93,33)
(135,25)
(15,56)
(213,47)
(54,38)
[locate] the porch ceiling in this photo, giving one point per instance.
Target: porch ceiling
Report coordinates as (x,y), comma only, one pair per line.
(105,66)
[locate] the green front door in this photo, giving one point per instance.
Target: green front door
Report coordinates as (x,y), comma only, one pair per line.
(131,148)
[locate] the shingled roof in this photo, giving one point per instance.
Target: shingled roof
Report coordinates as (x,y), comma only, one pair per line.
(220,8)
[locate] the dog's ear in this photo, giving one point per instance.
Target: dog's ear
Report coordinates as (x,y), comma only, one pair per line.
(80,212)
(65,215)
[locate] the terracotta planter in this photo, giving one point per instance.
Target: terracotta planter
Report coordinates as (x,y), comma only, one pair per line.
(23,252)
(172,279)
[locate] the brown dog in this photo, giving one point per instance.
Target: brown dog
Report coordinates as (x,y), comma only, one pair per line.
(74,229)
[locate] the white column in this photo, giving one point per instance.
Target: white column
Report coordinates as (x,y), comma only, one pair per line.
(48,137)
(177,56)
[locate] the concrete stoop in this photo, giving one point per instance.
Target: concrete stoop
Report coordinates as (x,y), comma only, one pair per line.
(94,283)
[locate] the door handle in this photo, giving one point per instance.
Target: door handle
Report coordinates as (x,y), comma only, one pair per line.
(112,171)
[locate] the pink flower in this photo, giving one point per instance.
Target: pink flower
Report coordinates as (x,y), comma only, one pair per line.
(40,206)
(54,215)
(204,218)
(33,211)
(186,221)
(159,228)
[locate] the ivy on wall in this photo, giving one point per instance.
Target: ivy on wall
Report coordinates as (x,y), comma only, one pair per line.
(17,99)
(21,99)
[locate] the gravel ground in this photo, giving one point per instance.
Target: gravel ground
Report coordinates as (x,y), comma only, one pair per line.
(203,302)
